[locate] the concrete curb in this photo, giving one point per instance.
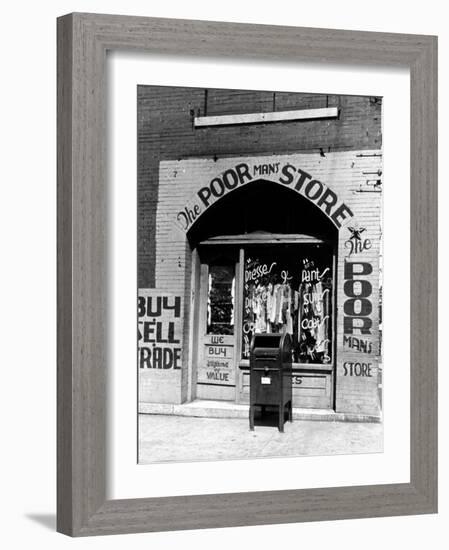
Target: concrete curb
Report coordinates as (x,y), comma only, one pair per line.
(220,409)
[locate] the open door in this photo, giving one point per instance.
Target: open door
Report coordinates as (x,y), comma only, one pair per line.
(217,350)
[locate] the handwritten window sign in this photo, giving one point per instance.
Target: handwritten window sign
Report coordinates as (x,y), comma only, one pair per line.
(217,366)
(159,330)
(224,352)
(217,370)
(289,289)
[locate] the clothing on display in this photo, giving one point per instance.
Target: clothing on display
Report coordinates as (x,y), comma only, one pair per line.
(301,309)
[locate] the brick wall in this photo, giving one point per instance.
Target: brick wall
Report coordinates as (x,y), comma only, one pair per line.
(344,173)
(166,132)
(175,160)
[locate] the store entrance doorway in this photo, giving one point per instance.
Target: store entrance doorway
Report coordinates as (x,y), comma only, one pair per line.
(216,369)
(266,261)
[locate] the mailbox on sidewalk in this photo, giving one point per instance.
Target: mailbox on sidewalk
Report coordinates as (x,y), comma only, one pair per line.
(270,376)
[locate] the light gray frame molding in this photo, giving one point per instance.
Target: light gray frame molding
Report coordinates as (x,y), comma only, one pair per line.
(83,40)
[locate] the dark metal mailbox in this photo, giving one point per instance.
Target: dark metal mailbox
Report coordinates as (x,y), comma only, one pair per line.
(270,375)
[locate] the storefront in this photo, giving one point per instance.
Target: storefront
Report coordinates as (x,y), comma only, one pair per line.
(251,244)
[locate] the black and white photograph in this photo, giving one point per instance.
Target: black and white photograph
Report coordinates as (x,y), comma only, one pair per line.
(259,274)
(220,295)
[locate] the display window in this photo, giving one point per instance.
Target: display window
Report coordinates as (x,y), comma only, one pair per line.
(289,288)
(221,299)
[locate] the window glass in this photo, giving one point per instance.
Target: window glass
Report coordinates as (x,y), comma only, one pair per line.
(289,289)
(220,299)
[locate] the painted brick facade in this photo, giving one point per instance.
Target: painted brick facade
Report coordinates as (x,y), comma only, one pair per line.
(343,155)
(165,132)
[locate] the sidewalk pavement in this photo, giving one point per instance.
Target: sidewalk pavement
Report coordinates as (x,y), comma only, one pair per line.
(169,438)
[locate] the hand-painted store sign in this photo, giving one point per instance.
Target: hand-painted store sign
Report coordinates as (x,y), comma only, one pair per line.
(358,344)
(159,330)
(358,306)
(217,370)
(355,244)
(219,351)
(217,366)
(352,368)
(286,174)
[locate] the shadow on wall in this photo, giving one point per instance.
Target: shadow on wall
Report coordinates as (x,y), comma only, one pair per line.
(46,520)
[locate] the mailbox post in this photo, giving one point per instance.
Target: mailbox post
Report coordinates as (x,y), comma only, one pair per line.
(270,375)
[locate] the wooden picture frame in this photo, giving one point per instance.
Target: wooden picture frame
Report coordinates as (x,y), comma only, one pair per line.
(83,40)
